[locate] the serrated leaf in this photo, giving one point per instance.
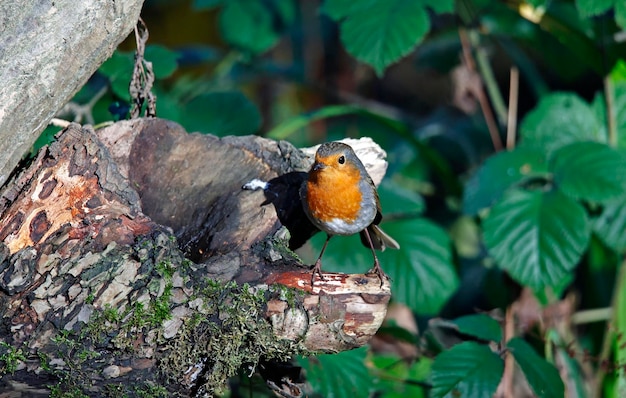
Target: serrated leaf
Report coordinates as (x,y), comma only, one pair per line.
(164,61)
(542,376)
(248,25)
(421,271)
(590,8)
(499,173)
(560,119)
(342,375)
(590,171)
(481,326)
(221,113)
(466,370)
(537,237)
(385,31)
(610,226)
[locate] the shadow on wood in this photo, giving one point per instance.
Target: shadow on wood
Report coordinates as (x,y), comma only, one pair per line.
(132,260)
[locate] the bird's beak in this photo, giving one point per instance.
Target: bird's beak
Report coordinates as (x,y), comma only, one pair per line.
(317,166)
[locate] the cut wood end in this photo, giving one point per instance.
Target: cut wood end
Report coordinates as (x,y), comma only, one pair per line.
(341,312)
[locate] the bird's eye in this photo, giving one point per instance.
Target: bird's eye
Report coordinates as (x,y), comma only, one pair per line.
(341,159)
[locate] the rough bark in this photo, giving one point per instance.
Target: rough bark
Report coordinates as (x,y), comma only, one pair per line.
(133,262)
(48,50)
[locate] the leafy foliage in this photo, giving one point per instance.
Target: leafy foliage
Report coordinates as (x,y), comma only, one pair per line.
(466,370)
(340,375)
(547,215)
(537,237)
(542,376)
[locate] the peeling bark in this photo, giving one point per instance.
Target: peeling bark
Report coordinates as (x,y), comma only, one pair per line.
(132,261)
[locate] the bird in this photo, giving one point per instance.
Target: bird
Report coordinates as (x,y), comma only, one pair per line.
(340,198)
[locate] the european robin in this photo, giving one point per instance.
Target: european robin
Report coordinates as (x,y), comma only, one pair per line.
(340,198)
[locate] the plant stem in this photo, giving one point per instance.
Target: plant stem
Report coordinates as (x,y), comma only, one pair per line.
(594,315)
(610,111)
(481,96)
(610,334)
(485,70)
(511,125)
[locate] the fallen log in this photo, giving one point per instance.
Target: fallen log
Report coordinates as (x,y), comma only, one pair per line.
(132,261)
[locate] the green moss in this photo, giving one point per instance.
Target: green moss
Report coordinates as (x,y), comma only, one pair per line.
(160,307)
(58,392)
(165,269)
(236,334)
(151,391)
(10,357)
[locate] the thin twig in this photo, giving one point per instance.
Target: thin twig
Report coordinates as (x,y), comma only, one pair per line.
(482,97)
(610,111)
(607,344)
(511,131)
(486,72)
(594,315)
(59,122)
(509,361)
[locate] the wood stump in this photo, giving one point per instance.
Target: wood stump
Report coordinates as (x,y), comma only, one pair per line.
(133,262)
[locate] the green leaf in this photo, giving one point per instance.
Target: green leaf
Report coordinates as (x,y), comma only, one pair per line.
(499,173)
(481,326)
(119,70)
(342,375)
(610,226)
(560,119)
(422,273)
(221,113)
(293,124)
(542,376)
(248,25)
(384,32)
(466,370)
(590,8)
(620,14)
(397,377)
(589,170)
(394,198)
(537,237)
(164,61)
(339,9)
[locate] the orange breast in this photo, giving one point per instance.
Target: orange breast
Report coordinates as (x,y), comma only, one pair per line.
(333,193)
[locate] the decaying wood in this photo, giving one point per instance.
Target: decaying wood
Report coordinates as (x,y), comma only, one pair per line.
(132,260)
(48,50)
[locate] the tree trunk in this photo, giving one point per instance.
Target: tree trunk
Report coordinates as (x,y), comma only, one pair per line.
(133,262)
(48,50)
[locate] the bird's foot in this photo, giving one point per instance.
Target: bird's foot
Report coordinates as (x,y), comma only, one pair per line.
(379,272)
(317,269)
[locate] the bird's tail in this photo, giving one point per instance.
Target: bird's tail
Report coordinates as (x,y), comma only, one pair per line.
(380,239)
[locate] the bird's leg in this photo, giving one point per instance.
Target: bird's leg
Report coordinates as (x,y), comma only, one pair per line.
(376,269)
(317,268)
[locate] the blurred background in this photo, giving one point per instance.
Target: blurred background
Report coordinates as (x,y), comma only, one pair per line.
(502,122)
